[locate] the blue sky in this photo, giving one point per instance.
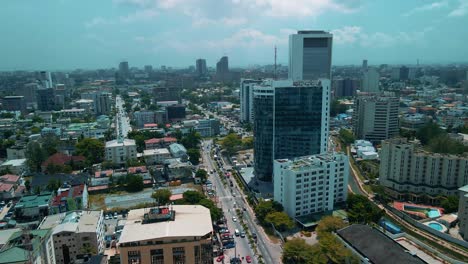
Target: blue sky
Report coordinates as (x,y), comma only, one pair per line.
(90,34)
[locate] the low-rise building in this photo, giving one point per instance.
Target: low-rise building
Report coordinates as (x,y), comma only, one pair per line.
(155,143)
(373,246)
(178,150)
(75,234)
(32,246)
(120,150)
(69,199)
(156,156)
(16,152)
(62,159)
(175,169)
(175,234)
(208,127)
(16,166)
(33,206)
(311,184)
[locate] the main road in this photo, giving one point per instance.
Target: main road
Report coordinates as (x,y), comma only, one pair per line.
(122,122)
(230,199)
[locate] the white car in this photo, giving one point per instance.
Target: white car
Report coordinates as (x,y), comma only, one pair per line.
(234,219)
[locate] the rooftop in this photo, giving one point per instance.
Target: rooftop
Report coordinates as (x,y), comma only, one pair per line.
(14,162)
(120,143)
(376,246)
(30,201)
(190,221)
(148,152)
(76,221)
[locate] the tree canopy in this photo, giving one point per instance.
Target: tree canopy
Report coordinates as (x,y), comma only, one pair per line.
(194,155)
(134,183)
(162,196)
(193,197)
(280,220)
(92,149)
(202,174)
(450,204)
(346,136)
(231,143)
(361,210)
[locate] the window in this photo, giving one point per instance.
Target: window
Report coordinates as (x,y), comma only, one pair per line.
(134,257)
(178,255)
(157,256)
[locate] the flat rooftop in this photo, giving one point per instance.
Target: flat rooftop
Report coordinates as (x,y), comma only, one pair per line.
(190,221)
(76,221)
(376,246)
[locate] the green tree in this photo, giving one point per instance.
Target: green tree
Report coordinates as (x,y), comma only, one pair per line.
(193,197)
(361,210)
(231,143)
(191,140)
(329,224)
(50,144)
(92,149)
(428,132)
(296,250)
(162,196)
(27,185)
(215,212)
(35,130)
(248,142)
(346,136)
(194,155)
(337,108)
(445,144)
(450,204)
(263,208)
(35,155)
(202,174)
(280,220)
(134,183)
(71,204)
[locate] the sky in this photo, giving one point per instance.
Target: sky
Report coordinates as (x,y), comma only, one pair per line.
(92,34)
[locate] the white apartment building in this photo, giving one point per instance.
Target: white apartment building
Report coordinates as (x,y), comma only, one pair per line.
(120,150)
(409,172)
(311,184)
(156,156)
(74,233)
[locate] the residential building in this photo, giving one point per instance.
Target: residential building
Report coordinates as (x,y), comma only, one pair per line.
(375,117)
(463,212)
(372,246)
(16,152)
(364,65)
(120,150)
(75,233)
(61,159)
(156,156)
(14,103)
(144,117)
(410,172)
(28,247)
(176,169)
(33,206)
(70,198)
(175,234)
(208,127)
(291,120)
(102,103)
(345,87)
(370,80)
(45,99)
(201,67)
(155,143)
(413,121)
(123,74)
(29,92)
(310,55)
(311,184)
(16,166)
(246,100)
(178,150)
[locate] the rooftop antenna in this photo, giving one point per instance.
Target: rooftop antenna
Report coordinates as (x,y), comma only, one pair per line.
(275,64)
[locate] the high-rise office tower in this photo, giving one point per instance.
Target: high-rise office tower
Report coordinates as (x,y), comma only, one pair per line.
(201,67)
(375,117)
(45,99)
(222,69)
(310,55)
(246,100)
(364,65)
(291,120)
(102,103)
(124,73)
(148,68)
(370,80)
(404,73)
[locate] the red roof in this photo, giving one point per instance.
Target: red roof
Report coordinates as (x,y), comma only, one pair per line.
(5,187)
(176,197)
(158,140)
(150,125)
(99,174)
(140,169)
(153,141)
(62,159)
(11,178)
(76,191)
(97,188)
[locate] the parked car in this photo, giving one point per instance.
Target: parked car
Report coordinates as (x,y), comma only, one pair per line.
(220,258)
(248,259)
(234,219)
(115,215)
(242,234)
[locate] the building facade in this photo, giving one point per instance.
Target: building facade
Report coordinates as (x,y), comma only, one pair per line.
(45,99)
(246,100)
(208,127)
(14,103)
(310,55)
(370,80)
(167,235)
(201,67)
(375,118)
(144,117)
(311,184)
(120,150)
(463,211)
(222,69)
(409,172)
(291,120)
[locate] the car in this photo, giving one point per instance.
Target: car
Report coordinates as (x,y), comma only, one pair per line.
(248,259)
(245,209)
(115,215)
(107,217)
(220,258)
(234,219)
(254,235)
(242,234)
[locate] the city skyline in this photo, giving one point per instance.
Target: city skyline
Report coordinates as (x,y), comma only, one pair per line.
(89,35)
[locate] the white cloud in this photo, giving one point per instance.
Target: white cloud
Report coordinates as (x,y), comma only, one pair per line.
(142,15)
(355,34)
(98,21)
(461,10)
(427,7)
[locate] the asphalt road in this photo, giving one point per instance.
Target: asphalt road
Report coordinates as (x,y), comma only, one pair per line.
(122,122)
